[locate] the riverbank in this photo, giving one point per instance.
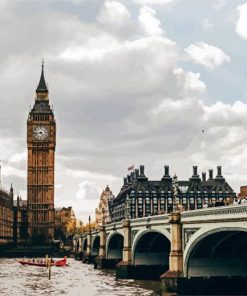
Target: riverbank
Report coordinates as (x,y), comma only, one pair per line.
(32,251)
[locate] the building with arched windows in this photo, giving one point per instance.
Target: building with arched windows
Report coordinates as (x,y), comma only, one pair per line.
(141,197)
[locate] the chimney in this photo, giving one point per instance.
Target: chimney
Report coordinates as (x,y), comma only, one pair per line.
(210,174)
(142,170)
(203,176)
(137,173)
(219,172)
(141,176)
(125,180)
(128,178)
(195,170)
(166,170)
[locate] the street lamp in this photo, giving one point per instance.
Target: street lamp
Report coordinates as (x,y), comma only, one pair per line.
(175,193)
(103,216)
(127,207)
(89,223)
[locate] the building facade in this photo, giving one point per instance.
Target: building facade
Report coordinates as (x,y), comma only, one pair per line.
(102,213)
(65,222)
(20,221)
(140,197)
(41,143)
(6,217)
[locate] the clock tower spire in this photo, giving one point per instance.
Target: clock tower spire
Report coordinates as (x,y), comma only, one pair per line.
(42,90)
(41,143)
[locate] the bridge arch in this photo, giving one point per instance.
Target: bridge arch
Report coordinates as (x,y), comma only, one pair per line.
(77,245)
(95,245)
(214,252)
(84,244)
(114,246)
(152,247)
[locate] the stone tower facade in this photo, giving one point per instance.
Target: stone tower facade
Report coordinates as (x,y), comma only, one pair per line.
(41,143)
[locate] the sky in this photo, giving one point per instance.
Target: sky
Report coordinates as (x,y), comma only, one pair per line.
(131,82)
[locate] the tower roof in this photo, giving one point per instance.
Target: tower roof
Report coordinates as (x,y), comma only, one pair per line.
(42,88)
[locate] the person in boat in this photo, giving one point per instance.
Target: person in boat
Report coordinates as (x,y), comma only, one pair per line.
(33,260)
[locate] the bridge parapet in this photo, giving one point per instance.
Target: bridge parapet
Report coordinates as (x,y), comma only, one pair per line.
(113,226)
(217,214)
(150,220)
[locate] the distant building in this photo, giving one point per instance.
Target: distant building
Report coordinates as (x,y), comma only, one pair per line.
(65,222)
(243,192)
(141,197)
(6,216)
(20,221)
(242,196)
(102,214)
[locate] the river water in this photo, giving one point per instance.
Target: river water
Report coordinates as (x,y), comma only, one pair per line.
(73,280)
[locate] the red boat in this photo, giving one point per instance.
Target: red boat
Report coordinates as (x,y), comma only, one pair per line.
(42,262)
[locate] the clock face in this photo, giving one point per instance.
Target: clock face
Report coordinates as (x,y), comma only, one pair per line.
(40,133)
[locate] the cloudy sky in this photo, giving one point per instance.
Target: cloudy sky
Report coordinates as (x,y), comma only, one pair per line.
(131,82)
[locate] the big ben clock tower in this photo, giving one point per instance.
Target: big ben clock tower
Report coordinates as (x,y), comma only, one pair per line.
(41,143)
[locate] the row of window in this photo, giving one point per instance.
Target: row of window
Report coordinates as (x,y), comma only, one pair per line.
(184,194)
(40,117)
(140,207)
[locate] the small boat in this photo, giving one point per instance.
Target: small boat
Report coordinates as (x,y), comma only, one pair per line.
(42,262)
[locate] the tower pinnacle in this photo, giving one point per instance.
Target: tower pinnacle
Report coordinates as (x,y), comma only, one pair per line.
(42,88)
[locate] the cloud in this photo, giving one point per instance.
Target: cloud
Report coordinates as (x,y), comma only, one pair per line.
(218,4)
(207,25)
(88,190)
(207,55)
(114,12)
(151,25)
(18,157)
(241,25)
(154,2)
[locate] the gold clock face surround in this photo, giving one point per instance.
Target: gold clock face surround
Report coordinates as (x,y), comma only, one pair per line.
(40,133)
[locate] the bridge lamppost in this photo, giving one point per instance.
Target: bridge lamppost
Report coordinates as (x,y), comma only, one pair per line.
(175,193)
(103,217)
(127,207)
(89,224)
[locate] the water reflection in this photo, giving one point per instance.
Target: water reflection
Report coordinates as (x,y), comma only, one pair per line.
(76,279)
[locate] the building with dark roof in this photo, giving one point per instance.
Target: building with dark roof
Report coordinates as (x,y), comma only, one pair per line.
(141,197)
(6,216)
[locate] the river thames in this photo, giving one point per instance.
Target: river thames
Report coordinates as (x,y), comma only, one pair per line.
(75,279)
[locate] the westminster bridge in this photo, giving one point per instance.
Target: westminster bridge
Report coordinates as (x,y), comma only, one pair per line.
(201,247)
